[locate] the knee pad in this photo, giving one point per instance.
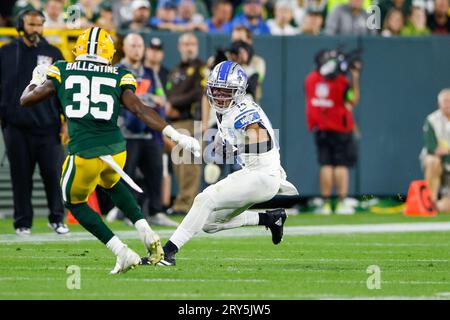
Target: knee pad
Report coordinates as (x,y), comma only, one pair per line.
(211,228)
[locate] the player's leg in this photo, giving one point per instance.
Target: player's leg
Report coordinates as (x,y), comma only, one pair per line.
(49,153)
(79,179)
(238,190)
(124,199)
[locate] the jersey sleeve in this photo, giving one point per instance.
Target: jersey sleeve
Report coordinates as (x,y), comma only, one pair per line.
(128,81)
(54,74)
(248,115)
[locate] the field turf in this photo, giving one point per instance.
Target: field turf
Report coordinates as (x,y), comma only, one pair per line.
(311,263)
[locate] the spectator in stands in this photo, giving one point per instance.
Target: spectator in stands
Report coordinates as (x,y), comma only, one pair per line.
(330,100)
(154,56)
(348,19)
(251,18)
(141,16)
(89,12)
(106,19)
(184,93)
(416,24)
(386,6)
(188,19)
(54,14)
(281,24)
(393,23)
(220,22)
(439,21)
(435,155)
(312,23)
(144,145)
(257,62)
(166,15)
(31,136)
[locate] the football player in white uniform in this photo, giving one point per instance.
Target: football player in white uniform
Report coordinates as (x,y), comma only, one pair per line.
(243,125)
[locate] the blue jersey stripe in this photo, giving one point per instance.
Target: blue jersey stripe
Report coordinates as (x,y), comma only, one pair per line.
(223,70)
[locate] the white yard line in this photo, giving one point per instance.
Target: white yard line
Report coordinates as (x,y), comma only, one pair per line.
(250,232)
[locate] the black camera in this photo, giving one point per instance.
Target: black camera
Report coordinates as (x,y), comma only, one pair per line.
(331,63)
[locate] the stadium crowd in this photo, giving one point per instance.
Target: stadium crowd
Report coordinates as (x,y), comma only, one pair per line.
(274,17)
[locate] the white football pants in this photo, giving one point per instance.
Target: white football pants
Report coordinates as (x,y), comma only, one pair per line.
(224,205)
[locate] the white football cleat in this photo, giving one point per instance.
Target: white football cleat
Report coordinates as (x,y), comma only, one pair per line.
(126,260)
(155,251)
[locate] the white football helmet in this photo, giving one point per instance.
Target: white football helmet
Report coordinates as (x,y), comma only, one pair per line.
(226,86)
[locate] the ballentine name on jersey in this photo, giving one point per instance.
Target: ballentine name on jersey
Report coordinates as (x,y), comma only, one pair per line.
(89,66)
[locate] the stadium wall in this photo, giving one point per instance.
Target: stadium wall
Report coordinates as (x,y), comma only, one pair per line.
(400,81)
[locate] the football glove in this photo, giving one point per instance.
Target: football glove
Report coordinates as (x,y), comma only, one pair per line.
(186,142)
(39,74)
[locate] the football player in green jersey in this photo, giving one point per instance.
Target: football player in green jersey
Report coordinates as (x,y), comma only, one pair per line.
(91,91)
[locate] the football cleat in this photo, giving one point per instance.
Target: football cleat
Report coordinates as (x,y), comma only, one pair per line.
(155,251)
(59,227)
(126,260)
(276,219)
(169,260)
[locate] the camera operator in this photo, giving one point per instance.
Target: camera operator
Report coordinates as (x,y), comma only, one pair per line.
(32,136)
(330,99)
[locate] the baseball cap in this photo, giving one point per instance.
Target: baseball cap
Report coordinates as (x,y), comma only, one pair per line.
(105,5)
(156,43)
(167,4)
(136,4)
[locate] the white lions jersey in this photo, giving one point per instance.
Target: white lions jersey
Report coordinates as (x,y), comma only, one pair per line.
(232,129)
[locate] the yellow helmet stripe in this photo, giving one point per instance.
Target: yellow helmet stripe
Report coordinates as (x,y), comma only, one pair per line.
(93,39)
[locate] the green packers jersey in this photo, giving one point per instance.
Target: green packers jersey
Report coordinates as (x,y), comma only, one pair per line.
(90,96)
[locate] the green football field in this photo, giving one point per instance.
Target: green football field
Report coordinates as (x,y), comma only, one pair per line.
(363,256)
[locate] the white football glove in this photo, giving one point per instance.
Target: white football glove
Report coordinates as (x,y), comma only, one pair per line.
(186,142)
(39,74)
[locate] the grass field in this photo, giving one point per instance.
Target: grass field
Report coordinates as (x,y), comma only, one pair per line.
(320,258)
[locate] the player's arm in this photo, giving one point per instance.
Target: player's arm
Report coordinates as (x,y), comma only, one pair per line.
(256,133)
(34,94)
(152,119)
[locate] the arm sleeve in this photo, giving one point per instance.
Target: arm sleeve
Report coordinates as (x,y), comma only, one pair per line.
(54,74)
(246,118)
(128,81)
(429,138)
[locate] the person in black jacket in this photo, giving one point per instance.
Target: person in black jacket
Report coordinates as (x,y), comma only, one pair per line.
(31,135)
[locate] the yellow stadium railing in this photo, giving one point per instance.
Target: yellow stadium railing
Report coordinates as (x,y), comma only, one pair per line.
(63,39)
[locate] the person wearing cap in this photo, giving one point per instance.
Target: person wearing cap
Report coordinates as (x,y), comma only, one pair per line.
(312,23)
(166,15)
(220,22)
(141,15)
(252,18)
(105,19)
(154,56)
(184,93)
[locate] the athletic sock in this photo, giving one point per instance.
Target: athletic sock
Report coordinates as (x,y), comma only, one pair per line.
(91,221)
(143,229)
(170,247)
(122,197)
(115,245)
(264,219)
